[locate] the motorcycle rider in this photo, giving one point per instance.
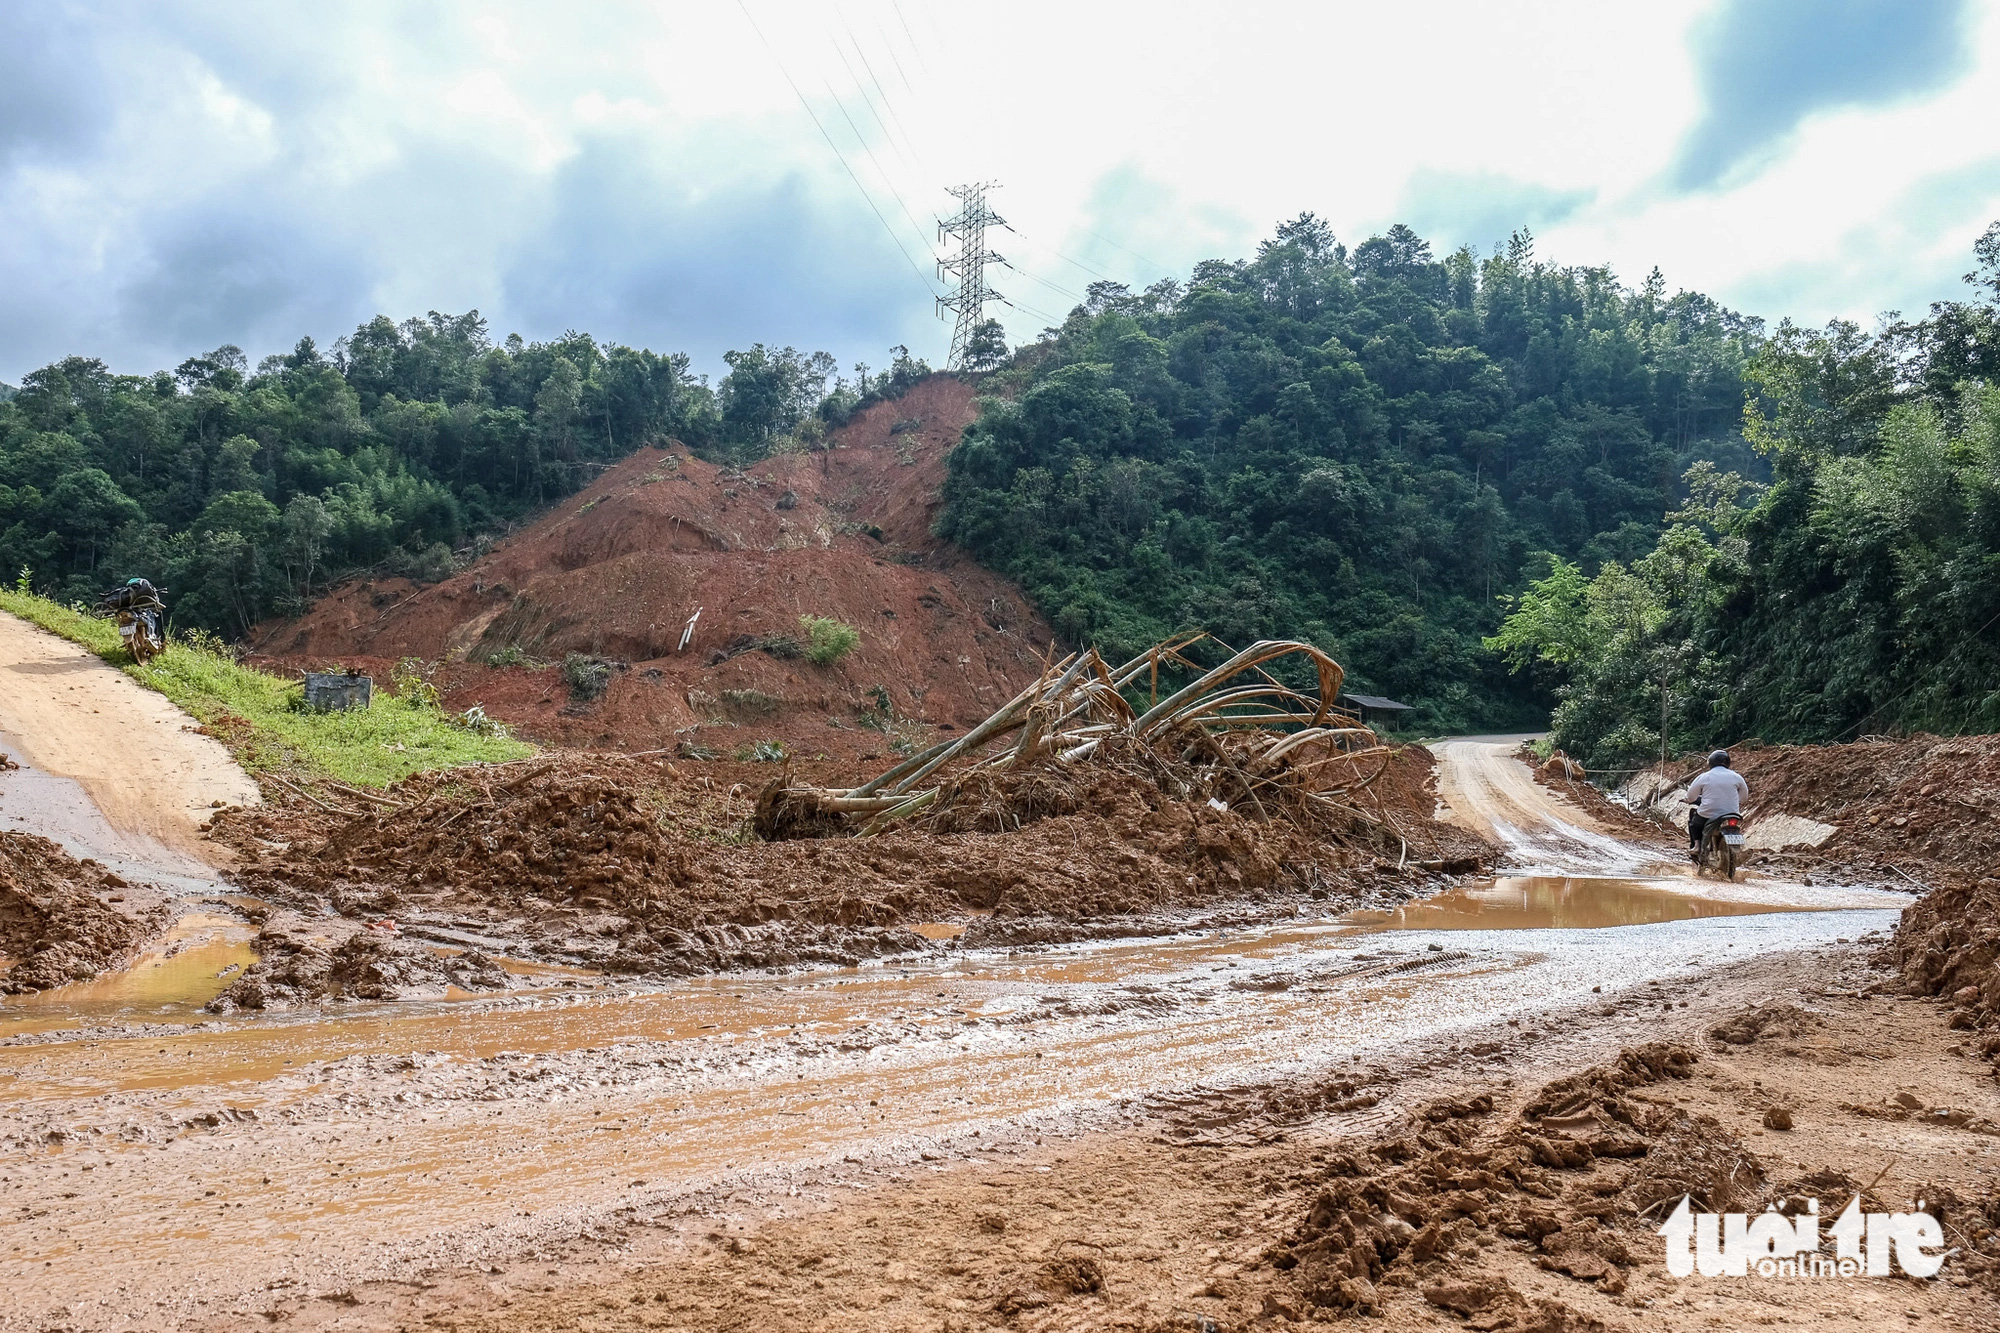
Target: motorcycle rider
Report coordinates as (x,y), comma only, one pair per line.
(1719,791)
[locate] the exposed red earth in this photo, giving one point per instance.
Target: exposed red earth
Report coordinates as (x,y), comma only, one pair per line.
(619,570)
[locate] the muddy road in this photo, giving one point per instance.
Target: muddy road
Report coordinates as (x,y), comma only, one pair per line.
(316,1152)
(109,769)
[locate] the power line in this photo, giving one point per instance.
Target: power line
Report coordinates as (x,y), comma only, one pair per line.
(895,60)
(868,65)
(1134,253)
(1052,286)
(880,124)
(915,50)
(894,193)
(921,276)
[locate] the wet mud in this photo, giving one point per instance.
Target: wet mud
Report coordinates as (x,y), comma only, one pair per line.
(641,866)
(63,920)
(1546,902)
(336,1156)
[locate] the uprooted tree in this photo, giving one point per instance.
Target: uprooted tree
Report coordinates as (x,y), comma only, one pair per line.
(1236,737)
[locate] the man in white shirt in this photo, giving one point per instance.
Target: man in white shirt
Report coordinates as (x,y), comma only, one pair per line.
(1720,791)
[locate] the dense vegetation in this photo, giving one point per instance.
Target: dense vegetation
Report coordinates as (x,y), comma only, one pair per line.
(1858,592)
(245,492)
(1363,448)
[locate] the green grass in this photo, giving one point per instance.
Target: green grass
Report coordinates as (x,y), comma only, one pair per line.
(257,715)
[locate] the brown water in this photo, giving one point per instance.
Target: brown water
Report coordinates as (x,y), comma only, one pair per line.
(1540,902)
(199,957)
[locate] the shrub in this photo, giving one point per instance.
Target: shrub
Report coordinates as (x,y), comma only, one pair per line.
(412,683)
(475,720)
(588,676)
(828,640)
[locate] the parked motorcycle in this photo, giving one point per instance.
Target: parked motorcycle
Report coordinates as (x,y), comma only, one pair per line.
(1721,842)
(141,617)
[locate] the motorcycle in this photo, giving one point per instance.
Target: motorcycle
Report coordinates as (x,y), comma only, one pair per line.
(141,617)
(1721,842)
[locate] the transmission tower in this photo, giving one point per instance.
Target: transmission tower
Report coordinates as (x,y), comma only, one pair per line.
(968,266)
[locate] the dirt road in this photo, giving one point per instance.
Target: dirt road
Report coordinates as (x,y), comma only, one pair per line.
(382,1144)
(1485,788)
(114,771)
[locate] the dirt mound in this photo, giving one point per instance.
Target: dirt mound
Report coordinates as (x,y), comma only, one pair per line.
(1418,1207)
(1948,944)
(633,864)
(1562,774)
(369,965)
(1771,1020)
(61,919)
(663,542)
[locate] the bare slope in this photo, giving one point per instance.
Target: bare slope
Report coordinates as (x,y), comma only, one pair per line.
(620,569)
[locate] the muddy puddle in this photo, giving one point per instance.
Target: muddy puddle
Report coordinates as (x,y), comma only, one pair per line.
(170,981)
(1546,902)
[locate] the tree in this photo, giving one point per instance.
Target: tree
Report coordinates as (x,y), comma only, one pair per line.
(557,406)
(986,347)
(307,527)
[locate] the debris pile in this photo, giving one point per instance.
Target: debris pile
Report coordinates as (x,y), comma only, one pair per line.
(1948,945)
(681,583)
(1235,738)
(1913,811)
(1092,820)
(61,919)
(1586,1164)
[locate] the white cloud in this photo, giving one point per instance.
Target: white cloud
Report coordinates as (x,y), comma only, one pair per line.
(646,170)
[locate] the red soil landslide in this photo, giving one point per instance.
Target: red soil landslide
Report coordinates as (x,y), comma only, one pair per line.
(618,570)
(633,865)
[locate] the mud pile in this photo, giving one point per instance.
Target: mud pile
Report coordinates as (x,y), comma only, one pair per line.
(1948,944)
(1560,773)
(634,865)
(665,546)
(64,920)
(370,964)
(1572,1175)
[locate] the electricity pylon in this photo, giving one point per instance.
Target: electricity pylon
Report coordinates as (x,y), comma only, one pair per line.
(968,266)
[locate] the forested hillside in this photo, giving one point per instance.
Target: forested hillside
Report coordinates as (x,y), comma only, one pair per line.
(248,491)
(1859,592)
(1364,448)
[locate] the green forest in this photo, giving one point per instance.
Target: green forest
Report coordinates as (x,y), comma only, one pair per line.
(1856,593)
(1366,448)
(246,492)
(1488,485)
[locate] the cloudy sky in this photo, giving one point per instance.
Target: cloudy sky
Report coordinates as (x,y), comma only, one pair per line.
(698,177)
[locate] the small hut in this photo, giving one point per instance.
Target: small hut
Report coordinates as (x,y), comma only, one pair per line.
(1374,710)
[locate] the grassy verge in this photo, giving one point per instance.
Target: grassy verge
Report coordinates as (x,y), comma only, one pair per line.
(256,714)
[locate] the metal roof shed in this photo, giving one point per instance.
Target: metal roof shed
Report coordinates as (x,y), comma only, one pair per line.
(1364,704)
